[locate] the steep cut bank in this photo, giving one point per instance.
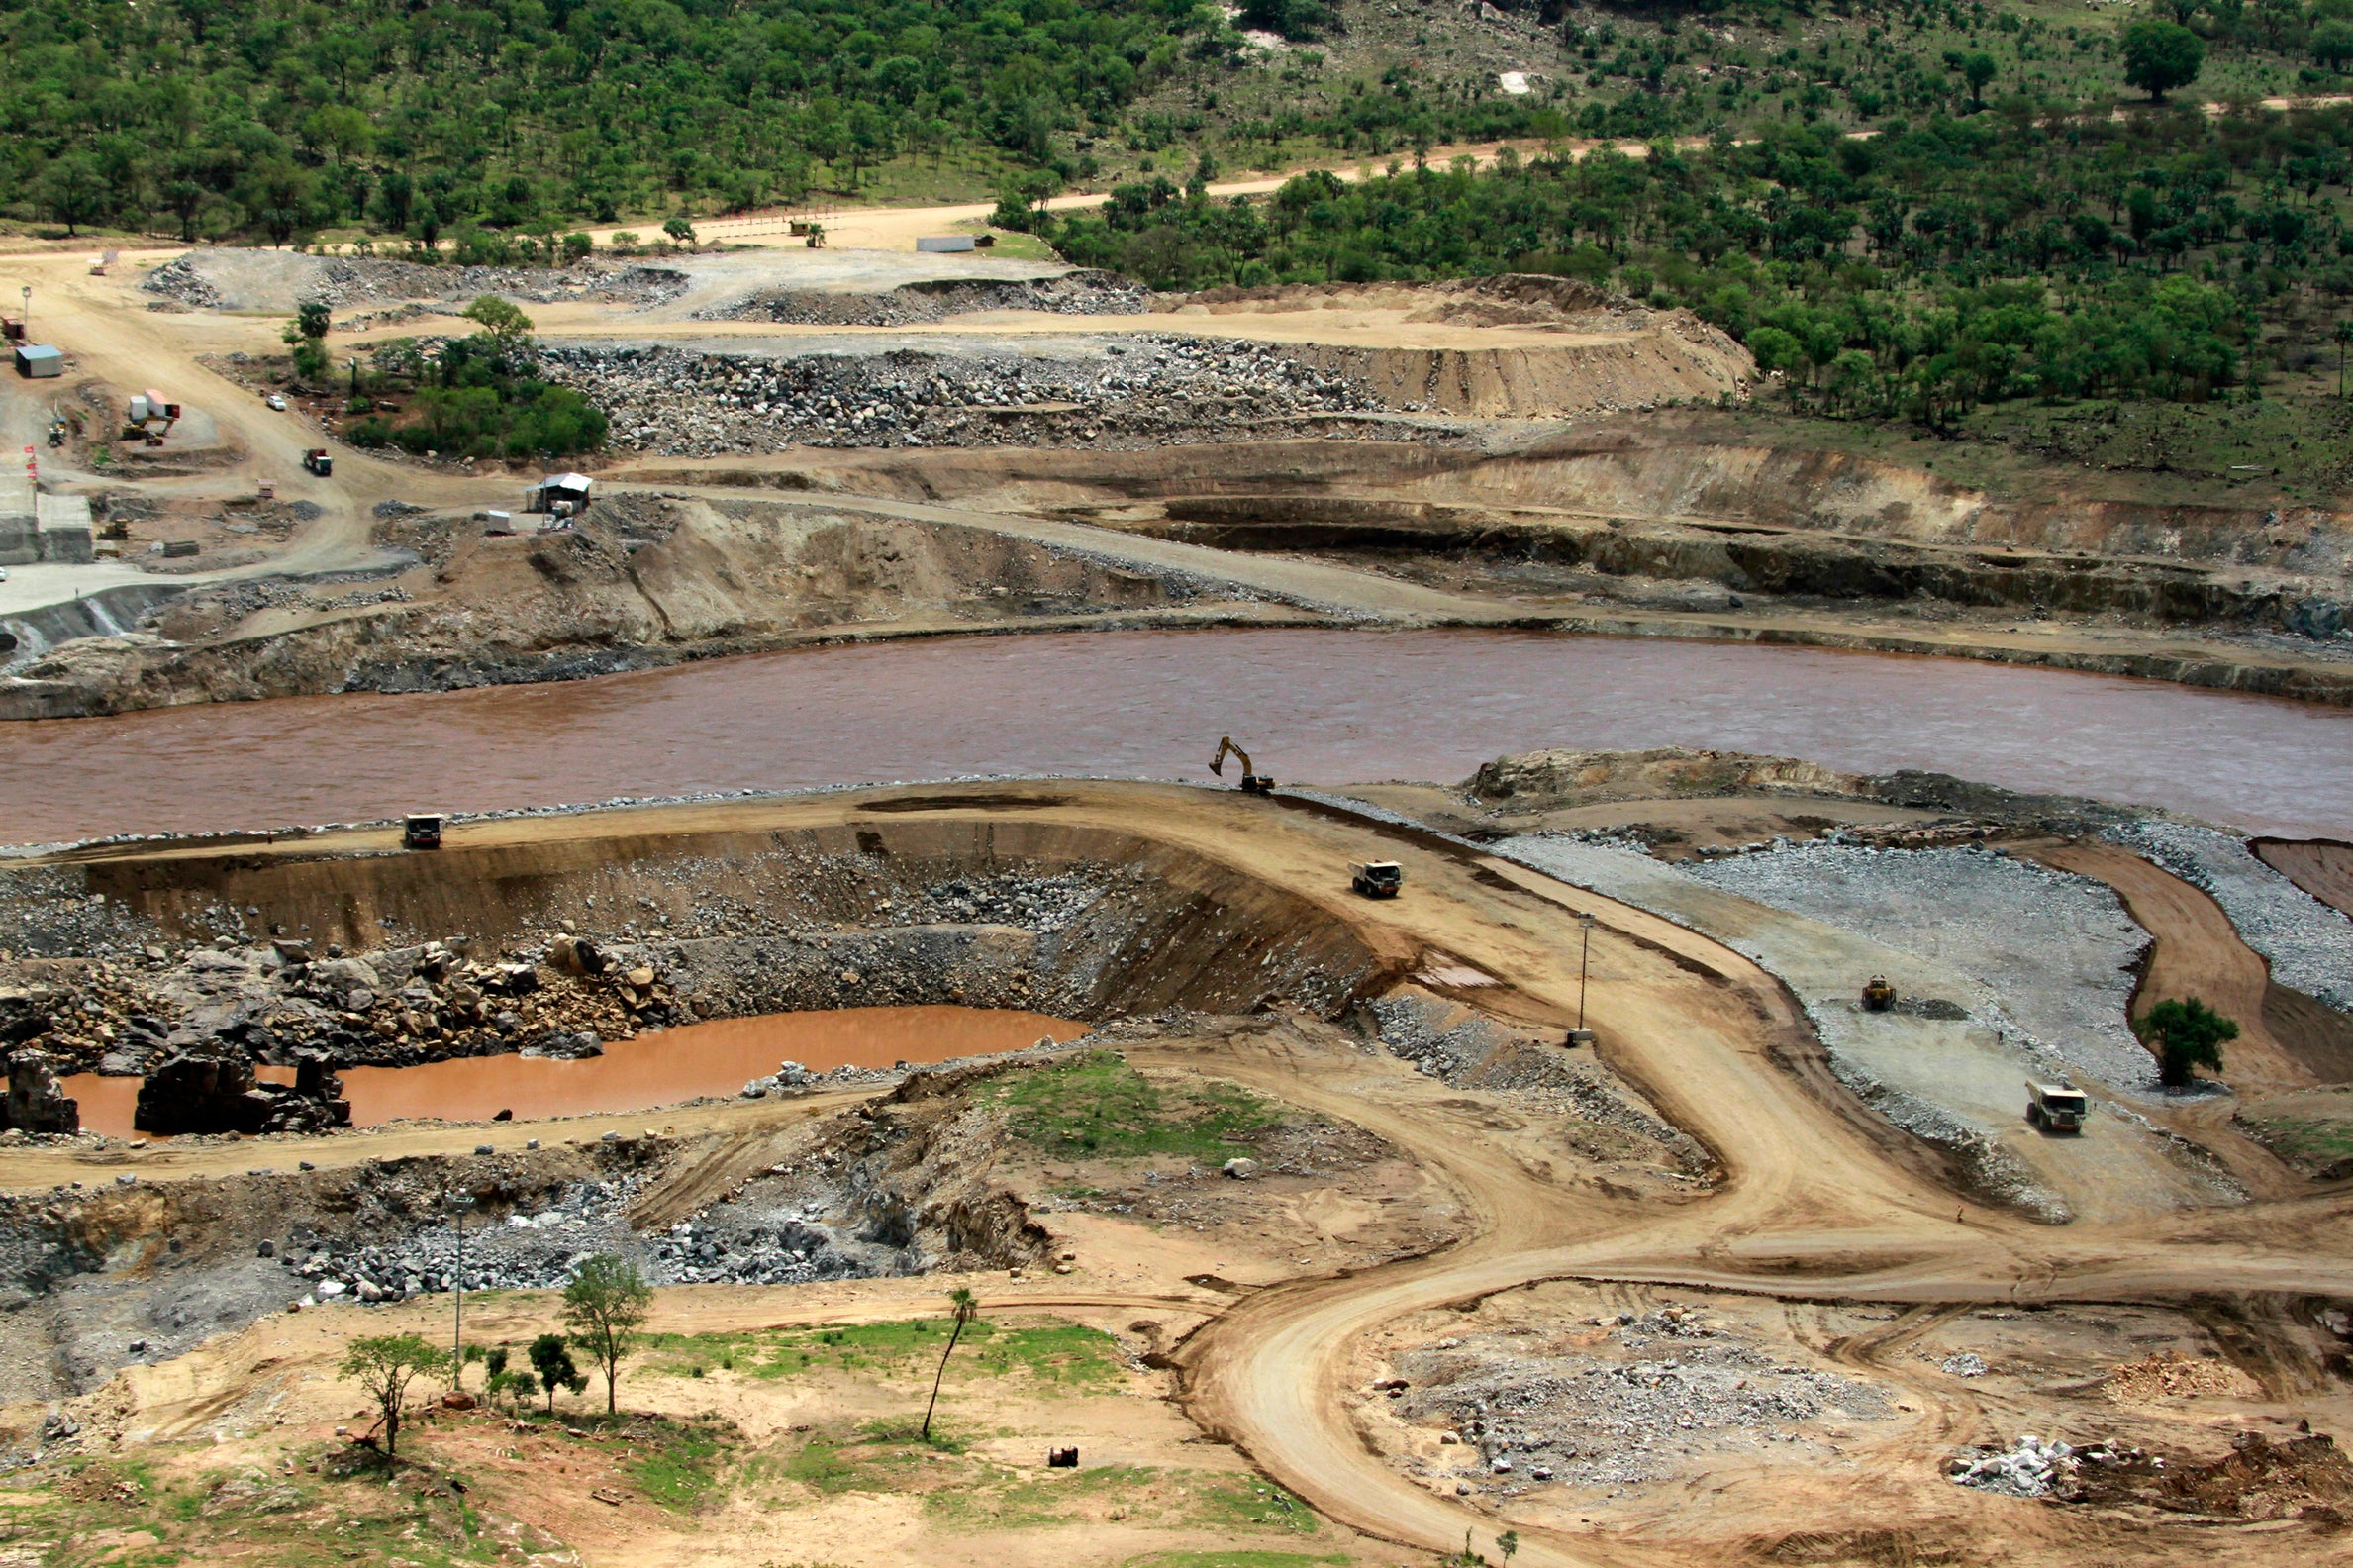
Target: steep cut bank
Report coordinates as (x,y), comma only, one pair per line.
(168,963)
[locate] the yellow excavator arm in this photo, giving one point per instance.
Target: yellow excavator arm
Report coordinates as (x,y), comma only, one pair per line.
(1225,745)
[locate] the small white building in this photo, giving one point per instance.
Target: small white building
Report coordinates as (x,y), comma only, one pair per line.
(39,359)
(563,487)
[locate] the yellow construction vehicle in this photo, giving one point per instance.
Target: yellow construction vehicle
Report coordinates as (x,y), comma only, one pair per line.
(1252,783)
(1878,996)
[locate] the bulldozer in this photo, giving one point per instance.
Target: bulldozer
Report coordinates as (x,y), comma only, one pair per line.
(1878,995)
(1253,783)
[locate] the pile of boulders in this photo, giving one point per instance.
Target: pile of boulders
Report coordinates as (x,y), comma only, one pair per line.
(1084,292)
(338,281)
(1151,387)
(2031,1469)
(189,1093)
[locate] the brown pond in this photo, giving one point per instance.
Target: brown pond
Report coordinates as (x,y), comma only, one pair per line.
(662,1069)
(1314,706)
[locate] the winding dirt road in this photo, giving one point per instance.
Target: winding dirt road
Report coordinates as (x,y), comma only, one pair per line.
(1817,1197)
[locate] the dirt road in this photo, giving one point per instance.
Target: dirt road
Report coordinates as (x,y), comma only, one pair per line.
(1816,1196)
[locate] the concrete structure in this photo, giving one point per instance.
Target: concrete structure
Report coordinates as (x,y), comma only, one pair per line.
(39,359)
(42,527)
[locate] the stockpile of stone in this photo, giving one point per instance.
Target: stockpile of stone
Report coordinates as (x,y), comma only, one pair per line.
(2031,1469)
(1149,388)
(1661,1387)
(1081,293)
(338,281)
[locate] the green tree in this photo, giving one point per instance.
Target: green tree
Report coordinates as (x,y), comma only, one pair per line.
(680,229)
(384,1366)
(553,1363)
(503,317)
(966,1307)
(2332,44)
(1509,1544)
(72,190)
(2187,1036)
(2160,57)
(604,1306)
(1977,70)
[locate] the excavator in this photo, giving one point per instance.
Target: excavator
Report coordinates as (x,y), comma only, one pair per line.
(1252,783)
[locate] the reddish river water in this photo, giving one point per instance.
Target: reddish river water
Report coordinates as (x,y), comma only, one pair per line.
(666,1067)
(1314,706)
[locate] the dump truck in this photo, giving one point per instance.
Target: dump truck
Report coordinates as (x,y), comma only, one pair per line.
(317,461)
(1376,879)
(422,830)
(1252,782)
(2056,1108)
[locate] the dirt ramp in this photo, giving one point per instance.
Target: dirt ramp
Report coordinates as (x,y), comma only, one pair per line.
(1665,363)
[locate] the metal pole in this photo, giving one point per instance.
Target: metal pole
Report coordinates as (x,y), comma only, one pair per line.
(1584,924)
(459,1204)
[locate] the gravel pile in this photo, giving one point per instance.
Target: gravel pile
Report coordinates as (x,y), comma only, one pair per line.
(2055,952)
(1080,293)
(1149,388)
(1475,1051)
(1664,1388)
(2308,945)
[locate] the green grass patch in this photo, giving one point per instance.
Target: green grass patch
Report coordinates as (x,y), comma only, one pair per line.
(1100,1105)
(1057,1352)
(683,1468)
(1246,1503)
(1053,1499)
(2307,1142)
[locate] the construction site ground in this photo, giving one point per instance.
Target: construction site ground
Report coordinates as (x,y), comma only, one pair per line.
(1768,1340)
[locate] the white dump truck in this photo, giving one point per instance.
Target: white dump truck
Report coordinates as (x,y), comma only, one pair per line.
(2056,1108)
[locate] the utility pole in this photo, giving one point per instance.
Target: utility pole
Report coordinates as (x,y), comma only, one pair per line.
(459,1204)
(26,321)
(1581,1036)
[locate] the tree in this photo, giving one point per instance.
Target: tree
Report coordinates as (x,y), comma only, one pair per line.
(680,229)
(604,1306)
(967,1308)
(2332,44)
(553,1363)
(1509,1544)
(2160,57)
(384,1367)
(504,318)
(2187,1036)
(72,190)
(1977,70)
(305,334)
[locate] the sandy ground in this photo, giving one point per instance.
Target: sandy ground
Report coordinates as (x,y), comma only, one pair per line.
(1816,1198)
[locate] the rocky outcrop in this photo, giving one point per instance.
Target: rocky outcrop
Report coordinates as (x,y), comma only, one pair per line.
(1549,780)
(36,1103)
(189,1093)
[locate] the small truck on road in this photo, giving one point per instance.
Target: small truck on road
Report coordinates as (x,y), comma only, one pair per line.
(1376,879)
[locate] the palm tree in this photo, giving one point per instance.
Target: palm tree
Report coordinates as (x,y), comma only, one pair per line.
(967,1308)
(2343,336)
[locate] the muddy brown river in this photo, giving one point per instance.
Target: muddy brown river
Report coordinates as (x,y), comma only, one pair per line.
(1314,706)
(664,1067)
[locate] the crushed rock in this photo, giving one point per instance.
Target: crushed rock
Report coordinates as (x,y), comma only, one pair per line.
(1149,388)
(2308,945)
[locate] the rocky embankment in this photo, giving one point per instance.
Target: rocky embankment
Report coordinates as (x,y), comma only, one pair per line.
(1145,390)
(1085,292)
(234,279)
